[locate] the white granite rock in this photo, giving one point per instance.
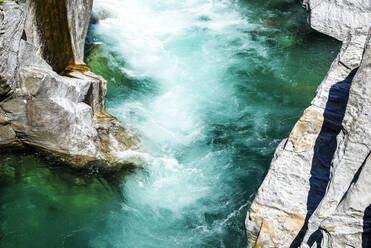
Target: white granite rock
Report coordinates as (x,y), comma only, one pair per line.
(341,214)
(311,195)
(338,18)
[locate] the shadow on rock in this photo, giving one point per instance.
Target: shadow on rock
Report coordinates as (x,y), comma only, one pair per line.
(324,150)
(366,234)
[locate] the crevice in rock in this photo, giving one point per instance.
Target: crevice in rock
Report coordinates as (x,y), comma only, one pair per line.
(366,234)
(4,88)
(89,98)
(24,36)
(355,178)
(316,237)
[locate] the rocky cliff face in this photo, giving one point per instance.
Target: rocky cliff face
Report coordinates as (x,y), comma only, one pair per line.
(49,99)
(317,192)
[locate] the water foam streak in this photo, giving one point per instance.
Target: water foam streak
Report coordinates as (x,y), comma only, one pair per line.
(198,86)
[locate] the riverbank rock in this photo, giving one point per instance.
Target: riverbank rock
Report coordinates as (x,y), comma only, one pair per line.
(317,191)
(49,99)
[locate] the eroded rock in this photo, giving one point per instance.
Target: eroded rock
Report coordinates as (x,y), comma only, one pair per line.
(51,100)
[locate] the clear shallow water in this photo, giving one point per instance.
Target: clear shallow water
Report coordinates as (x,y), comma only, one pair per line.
(211,87)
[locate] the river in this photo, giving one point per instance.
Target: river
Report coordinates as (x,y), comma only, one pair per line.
(211,87)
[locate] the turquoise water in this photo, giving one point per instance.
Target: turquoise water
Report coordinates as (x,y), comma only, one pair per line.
(211,86)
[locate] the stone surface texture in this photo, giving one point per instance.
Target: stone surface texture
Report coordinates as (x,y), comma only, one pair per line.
(317,192)
(49,99)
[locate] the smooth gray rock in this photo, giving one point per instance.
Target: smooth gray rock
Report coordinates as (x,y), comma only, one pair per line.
(350,224)
(339,18)
(307,197)
(78,18)
(11,23)
(56,106)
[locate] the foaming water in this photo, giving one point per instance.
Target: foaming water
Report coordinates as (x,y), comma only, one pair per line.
(212,87)
(211,91)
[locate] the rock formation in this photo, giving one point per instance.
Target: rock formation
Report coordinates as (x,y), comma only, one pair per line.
(49,99)
(317,192)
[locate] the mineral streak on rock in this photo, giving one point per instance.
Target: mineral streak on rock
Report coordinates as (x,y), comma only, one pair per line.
(317,190)
(49,99)
(48,29)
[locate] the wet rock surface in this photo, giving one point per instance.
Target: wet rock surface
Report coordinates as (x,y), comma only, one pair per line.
(49,99)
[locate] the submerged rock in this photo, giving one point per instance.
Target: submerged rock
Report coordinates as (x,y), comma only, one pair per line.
(317,191)
(7,174)
(49,99)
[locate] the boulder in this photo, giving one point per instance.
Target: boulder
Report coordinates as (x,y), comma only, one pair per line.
(49,99)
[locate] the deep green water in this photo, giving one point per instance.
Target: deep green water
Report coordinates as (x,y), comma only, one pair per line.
(211,86)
